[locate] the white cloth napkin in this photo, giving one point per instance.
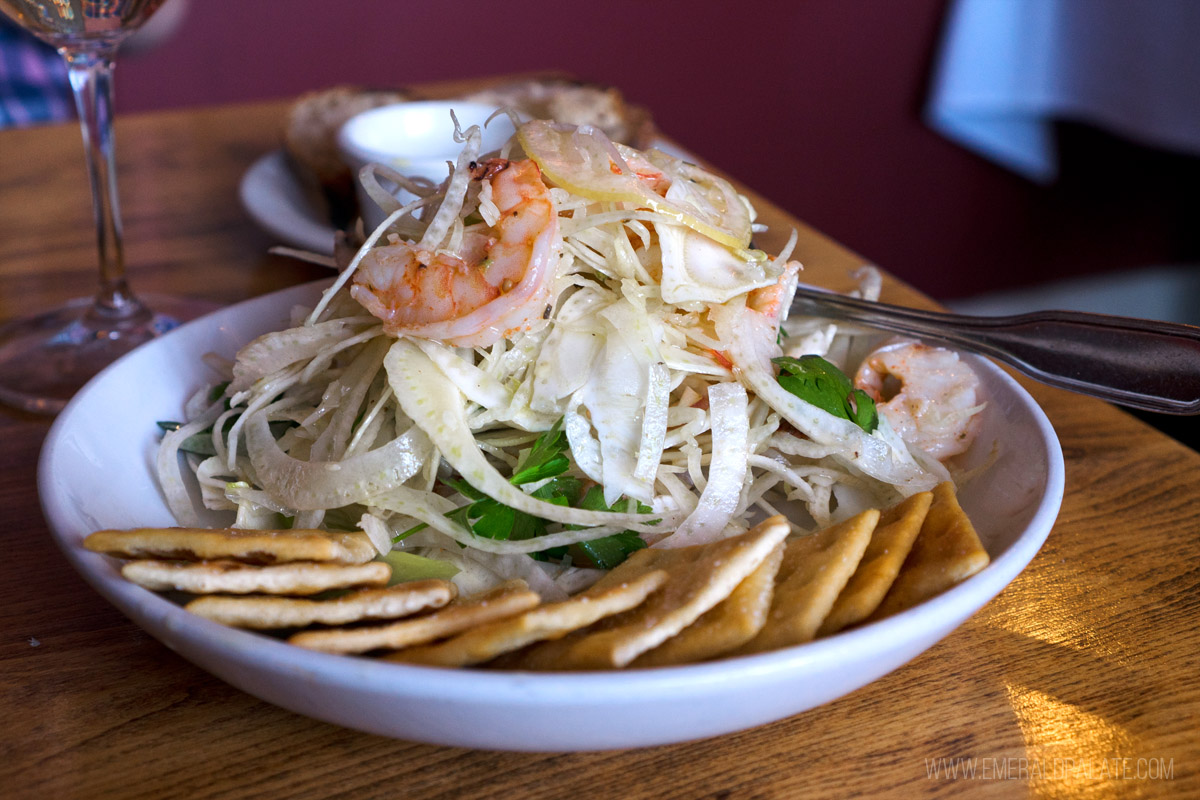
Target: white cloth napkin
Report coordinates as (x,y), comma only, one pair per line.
(1008,68)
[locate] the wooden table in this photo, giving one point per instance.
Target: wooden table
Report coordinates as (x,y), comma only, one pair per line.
(1083,677)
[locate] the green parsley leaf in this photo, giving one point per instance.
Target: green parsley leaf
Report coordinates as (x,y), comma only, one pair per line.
(563,491)
(610,551)
(487,518)
(594,501)
(607,551)
(814,379)
(464,488)
(547,458)
(492,520)
(459,515)
(546,461)
(864,413)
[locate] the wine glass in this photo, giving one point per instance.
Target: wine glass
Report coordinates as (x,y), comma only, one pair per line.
(46,358)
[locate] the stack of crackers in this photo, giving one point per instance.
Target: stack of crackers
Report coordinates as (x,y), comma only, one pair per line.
(758,591)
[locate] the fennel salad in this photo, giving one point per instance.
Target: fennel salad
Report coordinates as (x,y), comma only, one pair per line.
(567,351)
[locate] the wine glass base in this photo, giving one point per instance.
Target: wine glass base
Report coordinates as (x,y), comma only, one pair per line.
(46,359)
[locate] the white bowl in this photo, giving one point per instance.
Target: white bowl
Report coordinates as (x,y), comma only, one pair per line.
(416,139)
(97,471)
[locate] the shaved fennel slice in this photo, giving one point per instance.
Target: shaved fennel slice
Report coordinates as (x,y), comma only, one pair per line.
(572,579)
(432,508)
(274,351)
(779,467)
(317,485)
(487,207)
(240,495)
(685,425)
(456,190)
(683,361)
(214,483)
(584,447)
(565,359)
(791,445)
(697,269)
(624,258)
(321,362)
(478,386)
(516,413)
(519,565)
(342,400)
(252,516)
(678,492)
(523,416)
(369,427)
(751,338)
(615,397)
(727,404)
(170,473)
(654,424)
(378,532)
(431,400)
(813,338)
(471,578)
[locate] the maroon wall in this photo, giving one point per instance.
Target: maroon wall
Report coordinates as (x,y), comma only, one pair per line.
(815,103)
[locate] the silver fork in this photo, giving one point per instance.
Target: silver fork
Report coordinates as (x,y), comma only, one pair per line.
(1145,364)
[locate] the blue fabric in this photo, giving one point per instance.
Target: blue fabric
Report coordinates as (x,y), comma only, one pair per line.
(33,80)
(1007,69)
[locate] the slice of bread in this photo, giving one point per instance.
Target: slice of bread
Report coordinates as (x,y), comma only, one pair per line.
(576,103)
(310,141)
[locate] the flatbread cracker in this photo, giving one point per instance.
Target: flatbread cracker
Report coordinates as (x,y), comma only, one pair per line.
(270,613)
(947,551)
(504,600)
(248,546)
(233,577)
(699,577)
(815,569)
(890,544)
(726,626)
(549,621)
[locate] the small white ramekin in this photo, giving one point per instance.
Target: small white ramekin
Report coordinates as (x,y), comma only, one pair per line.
(415,139)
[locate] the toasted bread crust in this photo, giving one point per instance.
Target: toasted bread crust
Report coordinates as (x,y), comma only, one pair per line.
(576,103)
(310,142)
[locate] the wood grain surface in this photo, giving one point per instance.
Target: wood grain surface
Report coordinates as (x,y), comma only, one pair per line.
(1082,679)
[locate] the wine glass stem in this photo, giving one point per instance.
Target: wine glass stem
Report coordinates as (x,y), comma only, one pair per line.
(91,74)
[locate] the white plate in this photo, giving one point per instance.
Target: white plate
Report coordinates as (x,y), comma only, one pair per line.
(96,471)
(276,199)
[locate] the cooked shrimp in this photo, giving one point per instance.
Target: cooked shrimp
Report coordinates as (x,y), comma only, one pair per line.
(769,300)
(928,395)
(495,284)
(654,178)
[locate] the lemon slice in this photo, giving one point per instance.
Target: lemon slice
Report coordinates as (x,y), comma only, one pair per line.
(583,164)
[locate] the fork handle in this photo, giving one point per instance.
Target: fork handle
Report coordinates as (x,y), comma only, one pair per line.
(1145,364)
